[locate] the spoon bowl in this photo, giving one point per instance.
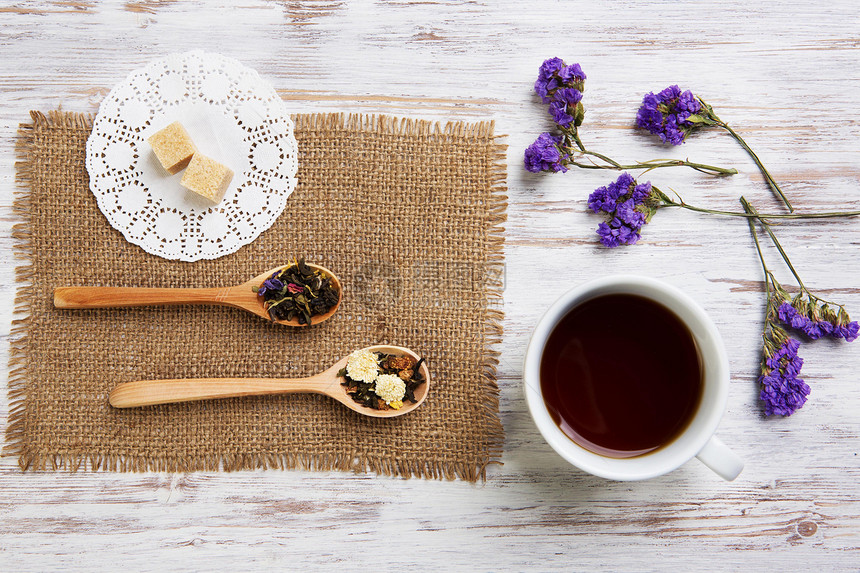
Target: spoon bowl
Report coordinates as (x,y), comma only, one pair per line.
(327,383)
(242,296)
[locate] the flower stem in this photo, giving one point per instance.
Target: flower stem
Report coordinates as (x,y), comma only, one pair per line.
(751,210)
(710,118)
(775,242)
(748,209)
(572,135)
(612,162)
(768,177)
(654,164)
(667,202)
(768,276)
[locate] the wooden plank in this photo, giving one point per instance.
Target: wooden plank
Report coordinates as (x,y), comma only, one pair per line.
(782,73)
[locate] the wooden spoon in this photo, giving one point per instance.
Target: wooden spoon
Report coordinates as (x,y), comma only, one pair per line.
(151,392)
(243,296)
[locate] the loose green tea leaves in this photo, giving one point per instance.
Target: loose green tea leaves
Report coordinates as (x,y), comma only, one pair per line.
(381,381)
(298,292)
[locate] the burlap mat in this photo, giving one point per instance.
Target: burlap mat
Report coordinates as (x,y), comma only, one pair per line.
(406,212)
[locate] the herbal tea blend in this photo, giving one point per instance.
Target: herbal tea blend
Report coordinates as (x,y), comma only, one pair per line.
(381,381)
(298,291)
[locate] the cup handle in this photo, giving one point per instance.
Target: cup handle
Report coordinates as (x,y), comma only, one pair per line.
(724,462)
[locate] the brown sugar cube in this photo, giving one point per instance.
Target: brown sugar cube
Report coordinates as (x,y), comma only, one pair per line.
(173,147)
(206,177)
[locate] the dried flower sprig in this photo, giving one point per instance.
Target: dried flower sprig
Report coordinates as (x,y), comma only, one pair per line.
(629,205)
(782,391)
(561,86)
(673,114)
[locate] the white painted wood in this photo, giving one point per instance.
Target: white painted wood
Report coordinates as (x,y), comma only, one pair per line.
(783,73)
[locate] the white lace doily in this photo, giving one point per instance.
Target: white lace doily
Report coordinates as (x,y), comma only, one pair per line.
(232,115)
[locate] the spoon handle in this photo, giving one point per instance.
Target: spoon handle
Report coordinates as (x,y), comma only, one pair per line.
(151,392)
(113,297)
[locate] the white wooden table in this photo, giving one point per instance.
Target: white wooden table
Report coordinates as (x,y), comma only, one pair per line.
(784,74)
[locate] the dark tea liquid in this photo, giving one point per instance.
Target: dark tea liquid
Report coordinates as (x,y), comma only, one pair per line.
(621,375)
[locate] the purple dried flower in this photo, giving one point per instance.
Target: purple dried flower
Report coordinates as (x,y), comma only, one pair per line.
(273,283)
(554,74)
(847,331)
(641,192)
(602,200)
(813,327)
(548,79)
(564,105)
(545,154)
(622,185)
(669,94)
(648,115)
(789,316)
(626,203)
(572,74)
(816,329)
(792,365)
(558,110)
(608,235)
(786,312)
(782,396)
(667,114)
(799,322)
(570,96)
(628,214)
(561,86)
(615,234)
(781,390)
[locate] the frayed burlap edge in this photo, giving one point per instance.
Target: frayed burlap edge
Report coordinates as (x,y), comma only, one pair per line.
(493,329)
(21,236)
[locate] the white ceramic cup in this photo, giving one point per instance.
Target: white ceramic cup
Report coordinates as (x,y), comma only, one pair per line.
(697,440)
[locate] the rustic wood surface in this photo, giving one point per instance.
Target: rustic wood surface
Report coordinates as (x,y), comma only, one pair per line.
(785,74)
